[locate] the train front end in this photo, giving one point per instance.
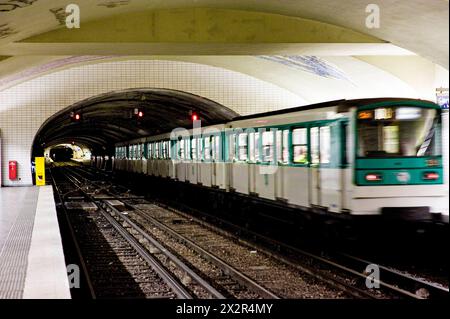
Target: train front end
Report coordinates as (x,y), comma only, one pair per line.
(398,161)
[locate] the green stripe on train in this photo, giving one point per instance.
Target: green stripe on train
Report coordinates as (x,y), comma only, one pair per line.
(399,162)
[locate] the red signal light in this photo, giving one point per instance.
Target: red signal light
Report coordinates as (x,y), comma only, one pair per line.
(431,176)
(373,177)
(194,117)
(75,116)
(140,114)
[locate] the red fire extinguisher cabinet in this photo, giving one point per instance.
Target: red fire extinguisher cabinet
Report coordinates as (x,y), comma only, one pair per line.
(12,170)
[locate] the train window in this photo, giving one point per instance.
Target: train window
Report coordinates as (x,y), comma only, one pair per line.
(200,147)
(300,146)
(344,141)
(398,132)
(149,151)
(279,143)
(187,147)
(231,147)
(164,150)
(181,149)
(267,146)
(325,145)
(144,150)
(254,147)
(315,155)
(251,147)
(167,149)
(257,147)
(207,148)
(283,146)
(243,147)
(157,150)
(216,151)
(194,149)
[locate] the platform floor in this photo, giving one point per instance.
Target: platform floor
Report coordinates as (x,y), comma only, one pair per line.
(32,264)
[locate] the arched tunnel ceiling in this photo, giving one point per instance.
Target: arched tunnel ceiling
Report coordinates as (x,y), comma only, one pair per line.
(416,25)
(109,118)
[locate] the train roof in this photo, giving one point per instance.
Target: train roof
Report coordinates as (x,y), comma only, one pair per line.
(343,106)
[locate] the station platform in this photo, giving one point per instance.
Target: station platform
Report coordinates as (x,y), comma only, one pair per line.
(32,264)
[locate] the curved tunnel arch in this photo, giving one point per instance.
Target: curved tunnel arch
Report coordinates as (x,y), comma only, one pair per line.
(109,118)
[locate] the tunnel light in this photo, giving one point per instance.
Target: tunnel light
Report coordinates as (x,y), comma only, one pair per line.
(373,177)
(430,176)
(138,112)
(75,116)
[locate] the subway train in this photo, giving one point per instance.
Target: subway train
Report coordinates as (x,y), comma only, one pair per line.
(366,157)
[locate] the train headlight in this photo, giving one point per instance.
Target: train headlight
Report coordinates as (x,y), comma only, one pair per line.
(374,177)
(430,176)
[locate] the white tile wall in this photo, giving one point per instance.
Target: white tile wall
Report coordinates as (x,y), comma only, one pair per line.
(24,107)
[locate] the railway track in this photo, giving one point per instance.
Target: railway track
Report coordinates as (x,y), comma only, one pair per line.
(115,263)
(230,281)
(344,272)
(396,283)
(249,266)
(249,275)
(392,281)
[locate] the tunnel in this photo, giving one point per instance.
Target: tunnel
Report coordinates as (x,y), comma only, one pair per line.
(103,120)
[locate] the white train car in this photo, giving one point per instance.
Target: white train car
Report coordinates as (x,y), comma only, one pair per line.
(359,157)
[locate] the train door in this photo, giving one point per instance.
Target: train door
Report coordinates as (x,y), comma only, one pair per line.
(316,135)
(325,185)
(193,165)
(207,164)
(214,159)
(218,170)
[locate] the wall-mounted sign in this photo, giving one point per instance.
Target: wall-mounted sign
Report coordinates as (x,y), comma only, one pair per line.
(40,171)
(442,98)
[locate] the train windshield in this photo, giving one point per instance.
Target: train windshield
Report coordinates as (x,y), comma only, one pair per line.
(399,132)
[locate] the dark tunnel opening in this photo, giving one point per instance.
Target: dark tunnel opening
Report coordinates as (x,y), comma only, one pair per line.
(101,121)
(61,154)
